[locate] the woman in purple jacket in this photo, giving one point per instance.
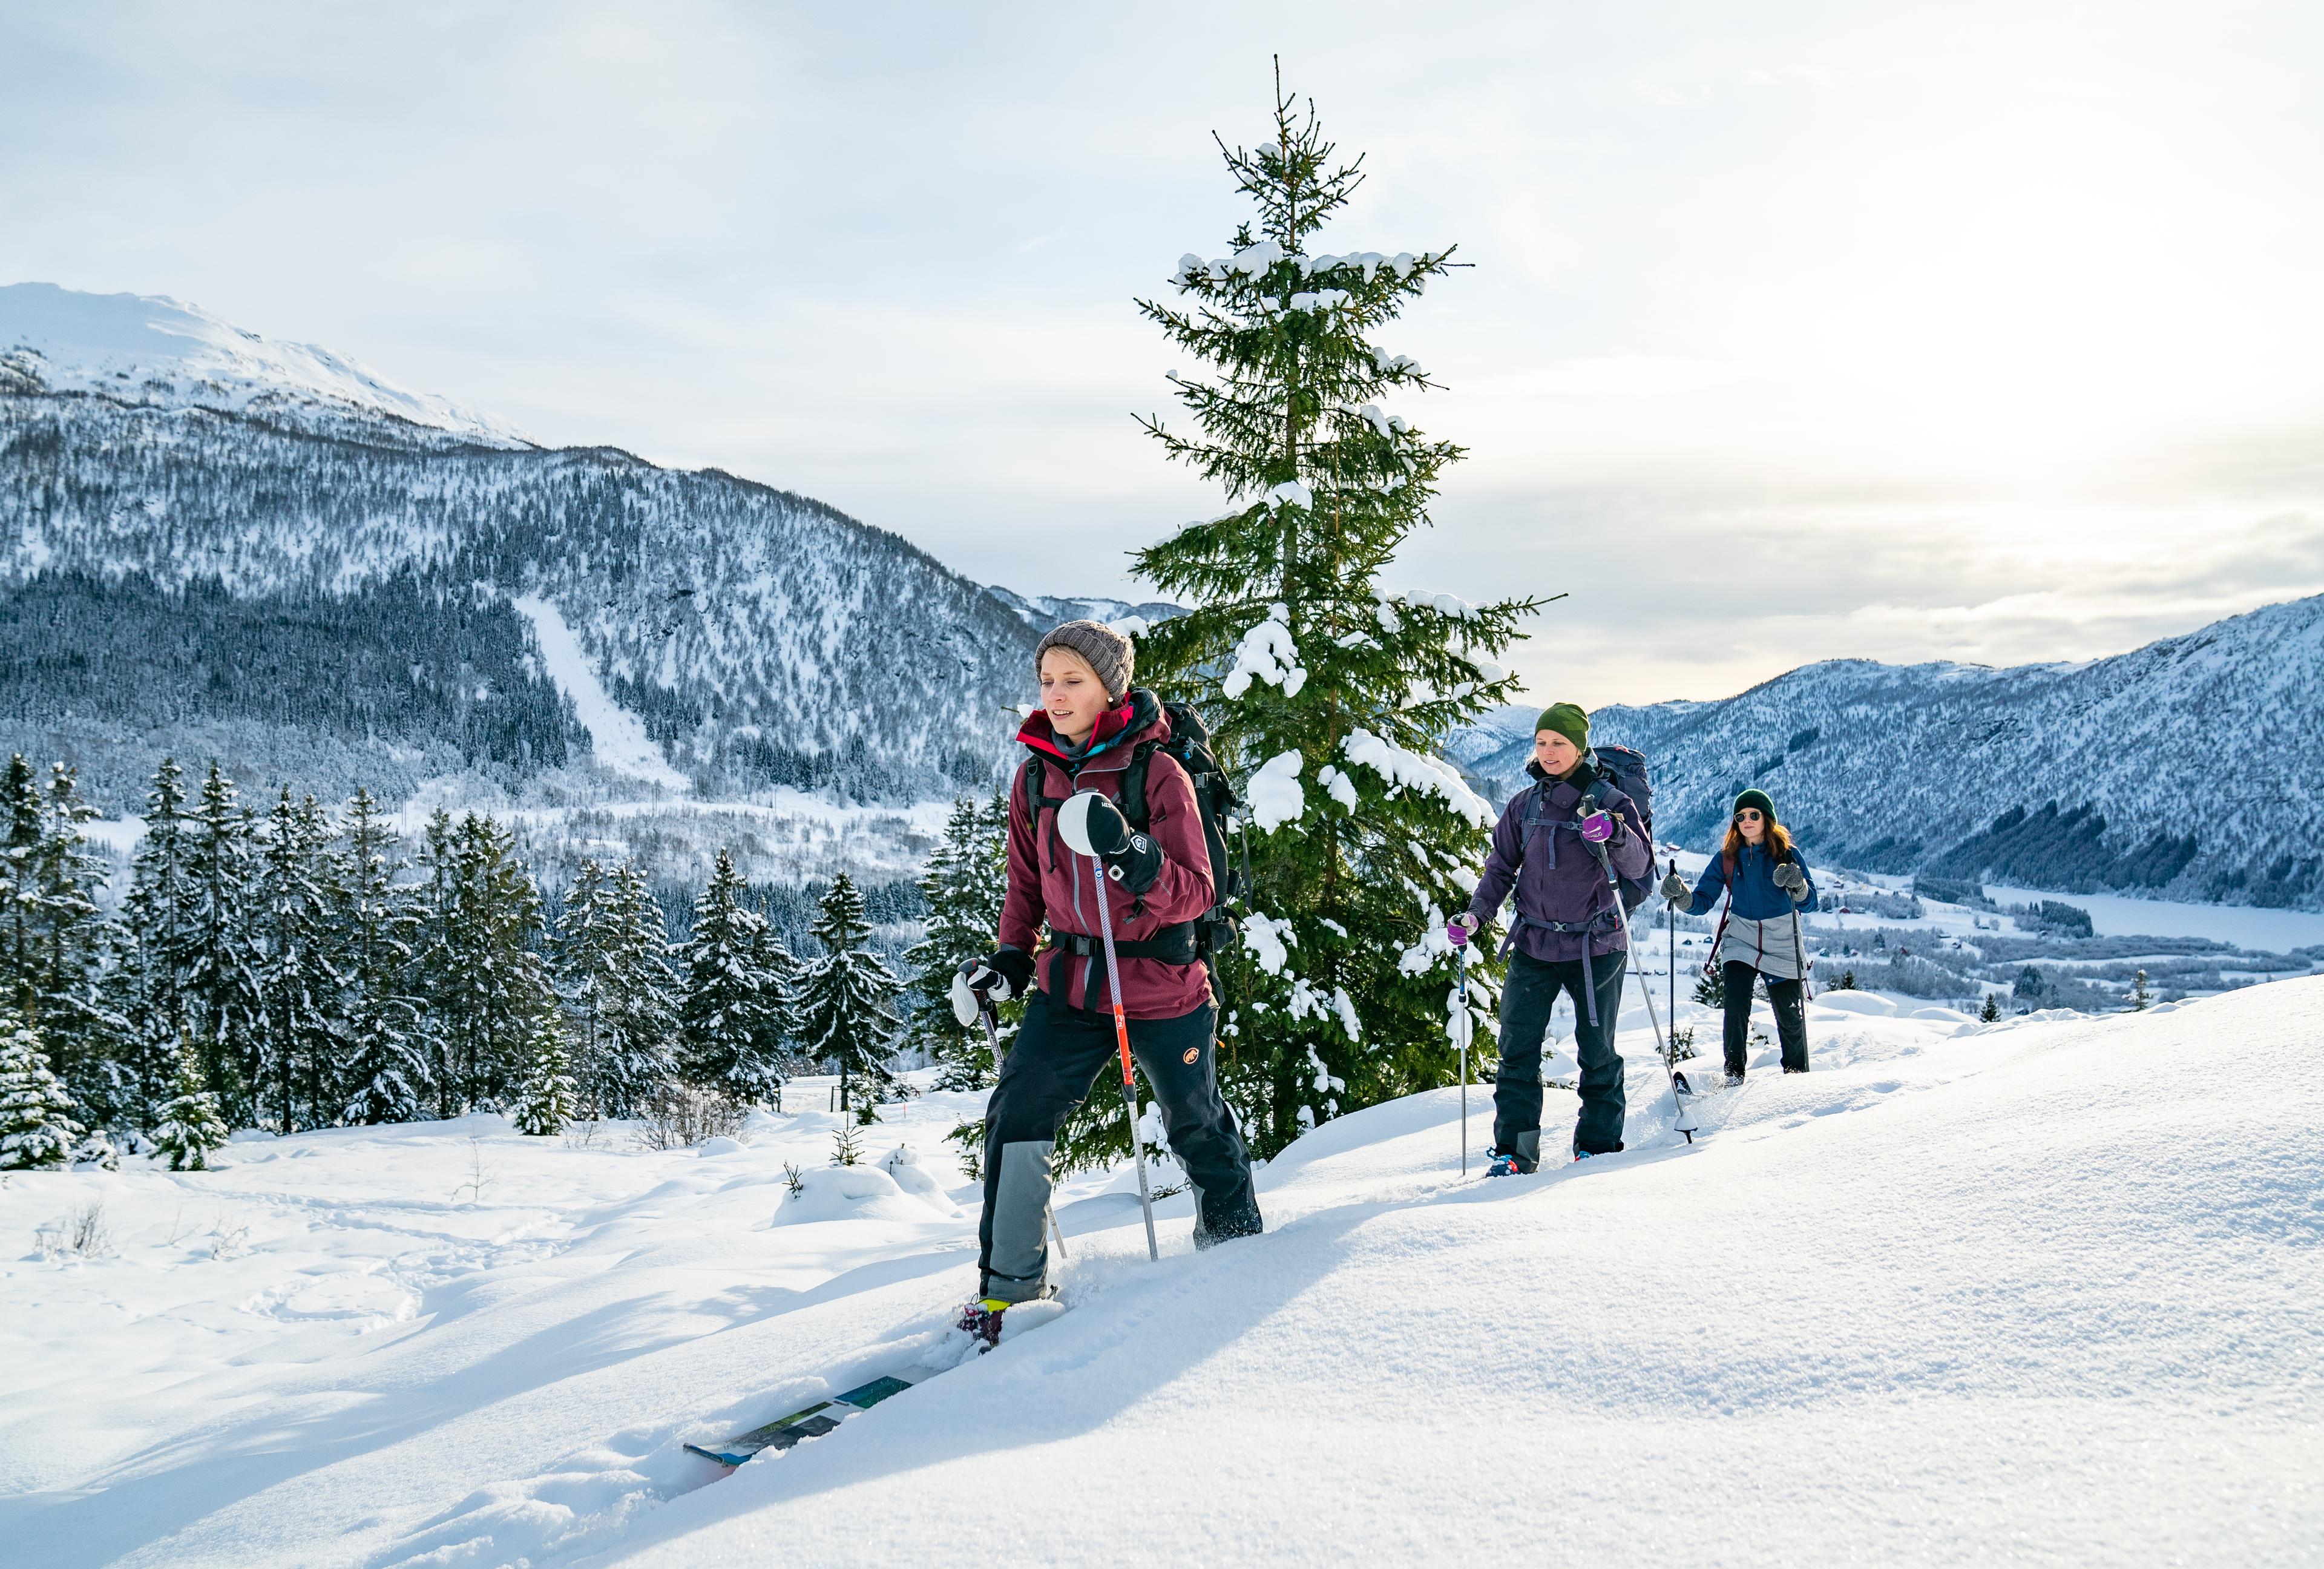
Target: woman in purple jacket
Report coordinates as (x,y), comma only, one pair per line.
(1559,844)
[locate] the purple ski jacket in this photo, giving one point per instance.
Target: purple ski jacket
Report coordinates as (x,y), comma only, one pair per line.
(1557,877)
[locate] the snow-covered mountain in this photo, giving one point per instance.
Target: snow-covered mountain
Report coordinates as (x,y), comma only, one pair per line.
(2191,768)
(1043,612)
(272,555)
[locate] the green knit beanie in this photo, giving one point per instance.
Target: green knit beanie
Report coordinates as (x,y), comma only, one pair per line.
(1569,720)
(1755,798)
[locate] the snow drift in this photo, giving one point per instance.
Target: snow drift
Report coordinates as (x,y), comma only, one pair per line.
(2046,1291)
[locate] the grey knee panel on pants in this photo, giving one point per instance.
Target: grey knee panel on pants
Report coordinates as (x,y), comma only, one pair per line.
(1021,1207)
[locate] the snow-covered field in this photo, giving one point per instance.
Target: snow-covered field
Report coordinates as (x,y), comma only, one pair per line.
(2045,1292)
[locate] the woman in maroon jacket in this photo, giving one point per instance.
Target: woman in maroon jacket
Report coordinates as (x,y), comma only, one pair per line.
(1090,729)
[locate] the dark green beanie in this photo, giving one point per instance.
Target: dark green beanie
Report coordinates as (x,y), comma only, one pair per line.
(1568,720)
(1755,798)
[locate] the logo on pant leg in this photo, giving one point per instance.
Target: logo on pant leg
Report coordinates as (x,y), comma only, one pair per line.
(1192,1053)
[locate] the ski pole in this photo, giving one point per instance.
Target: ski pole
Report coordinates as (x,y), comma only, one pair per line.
(992,1034)
(1465,1027)
(1685,1121)
(1672,907)
(1121,1044)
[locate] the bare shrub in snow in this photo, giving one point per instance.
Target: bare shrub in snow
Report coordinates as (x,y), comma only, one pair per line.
(681,1116)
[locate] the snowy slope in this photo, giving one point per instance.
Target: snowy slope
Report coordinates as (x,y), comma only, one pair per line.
(2027,1294)
(1045,611)
(2192,768)
(157,353)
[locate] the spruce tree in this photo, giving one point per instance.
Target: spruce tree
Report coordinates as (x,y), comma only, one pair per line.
(544,1102)
(383,1076)
(613,971)
(297,1032)
(480,971)
(52,935)
(843,1007)
(190,1127)
(1305,666)
(221,972)
(963,886)
(144,993)
(37,1130)
(735,1016)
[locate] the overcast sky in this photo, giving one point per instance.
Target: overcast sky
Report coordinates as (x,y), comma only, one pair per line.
(1795,331)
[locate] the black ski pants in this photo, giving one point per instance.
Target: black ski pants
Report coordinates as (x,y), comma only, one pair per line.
(1060,1052)
(1791,1017)
(1527,996)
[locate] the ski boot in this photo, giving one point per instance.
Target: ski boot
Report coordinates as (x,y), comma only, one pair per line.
(986,1317)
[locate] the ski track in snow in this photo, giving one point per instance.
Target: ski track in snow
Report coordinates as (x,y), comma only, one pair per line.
(2046,1291)
(616,735)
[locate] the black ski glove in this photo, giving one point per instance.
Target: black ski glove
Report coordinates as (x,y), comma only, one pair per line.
(1006,973)
(1131,859)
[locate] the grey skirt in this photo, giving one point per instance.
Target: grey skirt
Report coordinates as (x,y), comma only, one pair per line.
(1767,945)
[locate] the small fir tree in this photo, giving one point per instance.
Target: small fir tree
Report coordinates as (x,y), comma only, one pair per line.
(1992,1009)
(144,996)
(735,1016)
(843,1004)
(1305,665)
(846,1145)
(963,886)
(37,1130)
(221,974)
(480,970)
(190,1126)
(613,971)
(545,1101)
(1711,987)
(374,928)
(297,1032)
(2141,999)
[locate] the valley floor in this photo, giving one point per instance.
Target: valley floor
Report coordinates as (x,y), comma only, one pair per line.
(2049,1291)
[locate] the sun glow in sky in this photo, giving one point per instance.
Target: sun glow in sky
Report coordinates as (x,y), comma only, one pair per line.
(1975,331)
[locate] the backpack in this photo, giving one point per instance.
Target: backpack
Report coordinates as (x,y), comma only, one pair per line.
(1625,770)
(1189,746)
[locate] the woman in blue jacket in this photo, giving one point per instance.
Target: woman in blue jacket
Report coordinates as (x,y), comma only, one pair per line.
(1767,882)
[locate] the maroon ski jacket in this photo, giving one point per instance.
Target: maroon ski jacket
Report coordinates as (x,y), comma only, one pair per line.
(1048,883)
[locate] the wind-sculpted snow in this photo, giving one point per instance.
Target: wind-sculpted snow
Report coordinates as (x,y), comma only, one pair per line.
(2024,1293)
(760,637)
(2192,768)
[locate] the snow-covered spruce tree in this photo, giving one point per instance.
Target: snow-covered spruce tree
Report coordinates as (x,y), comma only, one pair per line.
(613,971)
(1306,667)
(383,1072)
(544,1102)
(37,1131)
(297,1031)
(963,885)
(52,935)
(190,1126)
(144,994)
(221,972)
(735,1016)
(842,1005)
(484,981)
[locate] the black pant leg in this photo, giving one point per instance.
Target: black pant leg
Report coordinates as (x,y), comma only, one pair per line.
(1791,1022)
(1179,1058)
(1527,994)
(1737,977)
(1597,1130)
(1057,1054)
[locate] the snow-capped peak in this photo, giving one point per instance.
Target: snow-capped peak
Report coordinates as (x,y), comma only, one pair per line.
(151,350)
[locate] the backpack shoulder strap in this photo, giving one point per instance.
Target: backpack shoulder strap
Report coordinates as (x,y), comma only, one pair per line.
(1132,797)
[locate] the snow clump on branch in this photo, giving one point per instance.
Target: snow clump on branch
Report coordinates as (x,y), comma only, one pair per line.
(1267,653)
(1274,794)
(1415,770)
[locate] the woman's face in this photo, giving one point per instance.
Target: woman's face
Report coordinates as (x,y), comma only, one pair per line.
(1555,754)
(1072,693)
(1753,823)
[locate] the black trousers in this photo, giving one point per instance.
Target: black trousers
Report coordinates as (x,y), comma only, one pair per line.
(1791,1017)
(1059,1054)
(1527,996)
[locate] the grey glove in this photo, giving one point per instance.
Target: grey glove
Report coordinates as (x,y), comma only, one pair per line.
(1793,880)
(1676,890)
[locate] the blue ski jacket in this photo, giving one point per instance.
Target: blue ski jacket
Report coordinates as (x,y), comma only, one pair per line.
(1757,897)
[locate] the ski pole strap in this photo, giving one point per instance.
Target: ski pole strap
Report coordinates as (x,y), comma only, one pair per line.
(1178,944)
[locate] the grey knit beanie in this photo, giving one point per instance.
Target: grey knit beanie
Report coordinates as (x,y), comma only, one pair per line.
(1107,651)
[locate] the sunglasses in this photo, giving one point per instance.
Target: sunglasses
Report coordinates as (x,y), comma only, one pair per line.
(1748,815)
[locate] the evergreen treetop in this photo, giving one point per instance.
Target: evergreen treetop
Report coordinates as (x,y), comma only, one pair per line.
(37,1130)
(843,1002)
(736,1015)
